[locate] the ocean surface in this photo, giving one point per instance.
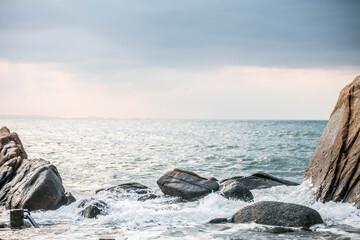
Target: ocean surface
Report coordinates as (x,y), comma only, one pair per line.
(95,153)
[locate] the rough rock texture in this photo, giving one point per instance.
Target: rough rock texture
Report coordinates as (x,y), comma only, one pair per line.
(186,184)
(258,181)
(31,184)
(135,189)
(93,208)
(278,214)
(235,190)
(334,169)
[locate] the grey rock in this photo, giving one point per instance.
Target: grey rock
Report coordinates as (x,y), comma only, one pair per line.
(31,184)
(93,208)
(278,214)
(277,230)
(218,220)
(186,184)
(259,181)
(143,192)
(36,185)
(235,190)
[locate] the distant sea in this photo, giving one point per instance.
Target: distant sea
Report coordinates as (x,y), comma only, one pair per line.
(95,153)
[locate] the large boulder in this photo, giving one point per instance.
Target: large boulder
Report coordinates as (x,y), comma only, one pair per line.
(278,214)
(334,168)
(258,181)
(185,184)
(30,184)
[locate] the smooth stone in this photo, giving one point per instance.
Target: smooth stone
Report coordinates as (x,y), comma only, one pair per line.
(259,181)
(278,214)
(186,184)
(235,190)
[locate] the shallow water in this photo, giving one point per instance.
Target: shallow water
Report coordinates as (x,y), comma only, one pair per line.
(92,154)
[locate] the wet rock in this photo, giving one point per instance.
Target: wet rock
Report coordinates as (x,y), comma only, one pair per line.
(277,230)
(30,184)
(278,214)
(67,199)
(144,193)
(235,190)
(185,184)
(93,208)
(218,220)
(334,168)
(259,181)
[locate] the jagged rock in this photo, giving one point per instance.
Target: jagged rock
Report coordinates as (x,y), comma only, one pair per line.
(31,184)
(334,168)
(235,190)
(93,208)
(218,220)
(185,184)
(278,214)
(259,181)
(143,192)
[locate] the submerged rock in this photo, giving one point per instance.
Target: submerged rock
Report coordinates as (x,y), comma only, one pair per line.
(143,192)
(278,214)
(334,168)
(186,184)
(30,184)
(93,208)
(258,181)
(235,190)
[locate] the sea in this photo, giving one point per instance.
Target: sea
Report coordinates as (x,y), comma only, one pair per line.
(96,153)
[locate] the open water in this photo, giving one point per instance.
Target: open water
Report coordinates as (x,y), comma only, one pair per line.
(97,153)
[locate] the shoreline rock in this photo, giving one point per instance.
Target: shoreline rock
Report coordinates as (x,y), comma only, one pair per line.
(334,168)
(24,183)
(278,214)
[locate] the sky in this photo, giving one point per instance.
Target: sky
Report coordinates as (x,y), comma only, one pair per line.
(189,59)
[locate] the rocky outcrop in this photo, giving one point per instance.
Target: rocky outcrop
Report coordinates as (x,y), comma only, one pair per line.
(334,168)
(235,190)
(30,184)
(278,214)
(134,189)
(258,181)
(185,184)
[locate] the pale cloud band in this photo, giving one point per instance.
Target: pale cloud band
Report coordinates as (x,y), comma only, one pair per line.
(230,92)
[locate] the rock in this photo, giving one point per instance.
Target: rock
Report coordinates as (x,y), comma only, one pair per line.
(36,185)
(278,214)
(235,190)
(218,220)
(334,168)
(30,184)
(93,208)
(259,181)
(276,230)
(67,199)
(141,191)
(186,184)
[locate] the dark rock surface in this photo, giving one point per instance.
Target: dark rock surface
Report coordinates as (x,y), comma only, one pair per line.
(218,220)
(277,230)
(259,181)
(141,191)
(31,184)
(93,208)
(334,168)
(235,190)
(186,184)
(278,214)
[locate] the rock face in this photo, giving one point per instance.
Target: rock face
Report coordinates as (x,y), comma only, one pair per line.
(278,214)
(186,184)
(235,190)
(30,184)
(334,169)
(258,181)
